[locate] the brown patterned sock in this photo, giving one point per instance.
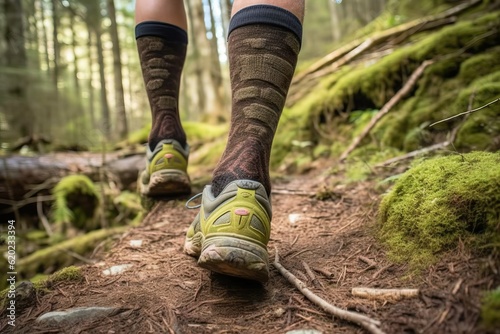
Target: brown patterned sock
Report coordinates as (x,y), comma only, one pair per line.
(162,51)
(263,45)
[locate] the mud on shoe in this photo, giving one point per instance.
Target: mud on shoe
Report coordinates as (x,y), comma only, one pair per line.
(230,233)
(166,170)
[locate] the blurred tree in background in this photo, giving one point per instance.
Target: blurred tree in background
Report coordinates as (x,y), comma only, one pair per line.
(70,72)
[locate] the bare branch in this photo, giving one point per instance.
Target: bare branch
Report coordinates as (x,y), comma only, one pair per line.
(371,325)
(466,112)
(385,294)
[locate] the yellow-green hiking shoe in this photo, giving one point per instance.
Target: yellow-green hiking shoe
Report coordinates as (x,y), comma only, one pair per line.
(230,233)
(166,170)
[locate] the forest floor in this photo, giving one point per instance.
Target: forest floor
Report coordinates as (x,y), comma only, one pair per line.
(166,292)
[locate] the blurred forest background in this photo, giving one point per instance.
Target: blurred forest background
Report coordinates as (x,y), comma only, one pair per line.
(70,73)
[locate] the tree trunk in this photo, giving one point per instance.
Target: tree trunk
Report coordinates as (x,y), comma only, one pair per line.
(210,100)
(55,46)
(216,70)
(121,115)
(16,103)
(225,15)
(34,39)
(194,55)
(91,77)
(105,119)
(75,55)
(44,37)
(335,19)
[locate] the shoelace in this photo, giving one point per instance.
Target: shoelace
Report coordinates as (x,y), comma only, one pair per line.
(192,199)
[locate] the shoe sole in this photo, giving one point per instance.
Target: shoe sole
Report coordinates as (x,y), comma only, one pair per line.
(234,256)
(166,182)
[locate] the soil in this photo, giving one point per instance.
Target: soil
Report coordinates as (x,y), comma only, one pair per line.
(166,292)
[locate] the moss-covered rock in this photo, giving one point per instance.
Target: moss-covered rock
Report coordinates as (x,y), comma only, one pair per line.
(76,201)
(440,201)
(42,283)
(490,309)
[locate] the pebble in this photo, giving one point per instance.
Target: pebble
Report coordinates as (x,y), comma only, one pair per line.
(75,315)
(116,270)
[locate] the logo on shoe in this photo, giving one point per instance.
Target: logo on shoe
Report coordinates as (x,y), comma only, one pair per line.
(247,184)
(242,212)
(168,156)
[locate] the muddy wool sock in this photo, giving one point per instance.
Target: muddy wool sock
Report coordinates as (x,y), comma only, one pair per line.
(162,51)
(263,45)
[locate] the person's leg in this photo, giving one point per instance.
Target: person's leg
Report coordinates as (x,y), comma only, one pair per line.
(162,42)
(231,232)
(262,57)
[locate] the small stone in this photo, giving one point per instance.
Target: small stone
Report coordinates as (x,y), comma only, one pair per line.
(116,270)
(279,312)
(135,243)
(76,315)
(293,218)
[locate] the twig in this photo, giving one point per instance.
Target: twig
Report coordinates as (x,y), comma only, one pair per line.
(15,205)
(388,106)
(435,147)
(77,256)
(324,272)
(384,294)
(311,275)
(413,154)
(368,261)
(43,218)
(381,270)
(466,112)
(371,325)
(457,286)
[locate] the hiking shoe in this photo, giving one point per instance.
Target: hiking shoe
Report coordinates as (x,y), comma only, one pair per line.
(230,233)
(166,170)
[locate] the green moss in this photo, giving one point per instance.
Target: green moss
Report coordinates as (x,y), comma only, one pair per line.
(370,86)
(43,283)
(76,201)
(67,274)
(129,202)
(59,255)
(481,130)
(480,65)
(490,309)
(204,132)
(139,136)
(438,202)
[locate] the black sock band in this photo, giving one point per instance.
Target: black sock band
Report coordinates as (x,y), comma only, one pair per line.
(267,14)
(161,29)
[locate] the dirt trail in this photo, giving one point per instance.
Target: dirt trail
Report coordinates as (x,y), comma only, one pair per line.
(165,292)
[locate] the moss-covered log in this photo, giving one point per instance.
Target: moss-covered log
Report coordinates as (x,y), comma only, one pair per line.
(60,255)
(23,176)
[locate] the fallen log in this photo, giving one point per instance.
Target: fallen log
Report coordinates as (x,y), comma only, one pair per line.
(23,177)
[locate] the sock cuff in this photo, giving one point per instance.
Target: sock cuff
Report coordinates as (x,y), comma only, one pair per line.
(266,14)
(161,29)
